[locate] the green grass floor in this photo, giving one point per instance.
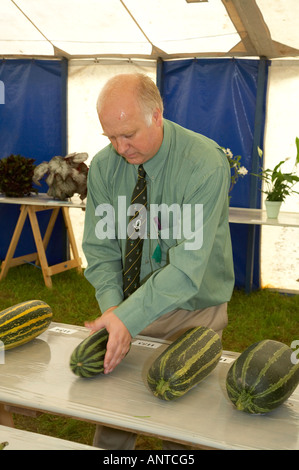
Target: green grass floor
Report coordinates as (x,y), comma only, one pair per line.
(252,317)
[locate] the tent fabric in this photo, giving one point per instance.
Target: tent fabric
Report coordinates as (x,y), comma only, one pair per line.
(31,123)
(217,98)
(31,119)
(149,29)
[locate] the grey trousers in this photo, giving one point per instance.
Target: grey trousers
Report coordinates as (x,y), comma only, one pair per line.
(169,327)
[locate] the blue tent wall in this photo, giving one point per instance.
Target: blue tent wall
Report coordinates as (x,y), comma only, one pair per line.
(218,98)
(33,124)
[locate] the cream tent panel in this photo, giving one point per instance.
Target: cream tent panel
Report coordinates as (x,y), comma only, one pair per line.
(282,119)
(282,127)
(149,28)
(281,17)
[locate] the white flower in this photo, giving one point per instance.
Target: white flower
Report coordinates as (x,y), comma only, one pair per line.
(235,166)
(243,171)
(228,152)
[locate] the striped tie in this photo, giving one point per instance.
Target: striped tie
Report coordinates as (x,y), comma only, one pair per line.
(136,233)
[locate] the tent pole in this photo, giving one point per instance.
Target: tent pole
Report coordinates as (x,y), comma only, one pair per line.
(254,202)
(64,104)
(159,75)
(64,135)
(258,131)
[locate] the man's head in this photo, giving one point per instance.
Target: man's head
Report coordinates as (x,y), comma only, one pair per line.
(130,110)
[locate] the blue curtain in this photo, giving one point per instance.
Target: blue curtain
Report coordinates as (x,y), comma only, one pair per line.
(218,98)
(32,124)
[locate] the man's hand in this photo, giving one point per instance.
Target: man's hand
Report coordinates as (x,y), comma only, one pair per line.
(119,338)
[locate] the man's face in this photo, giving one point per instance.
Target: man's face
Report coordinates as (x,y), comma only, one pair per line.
(124,124)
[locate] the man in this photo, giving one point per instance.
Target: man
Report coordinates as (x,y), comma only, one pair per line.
(187,269)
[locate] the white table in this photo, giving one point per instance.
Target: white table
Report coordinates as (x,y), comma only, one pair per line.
(18,439)
(253,218)
(37,376)
(30,206)
(239,215)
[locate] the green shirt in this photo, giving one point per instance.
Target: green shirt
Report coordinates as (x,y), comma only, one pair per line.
(187,261)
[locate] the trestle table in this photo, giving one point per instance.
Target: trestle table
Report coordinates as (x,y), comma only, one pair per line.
(36,376)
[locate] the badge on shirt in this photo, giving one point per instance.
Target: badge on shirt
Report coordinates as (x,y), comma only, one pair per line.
(157,256)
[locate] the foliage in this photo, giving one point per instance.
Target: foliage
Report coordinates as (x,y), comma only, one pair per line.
(16,174)
(65,176)
(279,185)
(235,165)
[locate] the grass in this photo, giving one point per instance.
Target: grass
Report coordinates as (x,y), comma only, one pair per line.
(260,315)
(252,317)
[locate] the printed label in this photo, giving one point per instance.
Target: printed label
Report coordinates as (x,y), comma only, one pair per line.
(227,359)
(59,329)
(146,344)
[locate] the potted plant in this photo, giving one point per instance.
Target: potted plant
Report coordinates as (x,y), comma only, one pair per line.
(16,174)
(278,184)
(65,176)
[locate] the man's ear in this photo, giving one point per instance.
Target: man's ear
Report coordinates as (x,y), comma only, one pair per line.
(157,117)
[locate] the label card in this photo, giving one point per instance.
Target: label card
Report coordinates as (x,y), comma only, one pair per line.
(227,360)
(146,344)
(59,329)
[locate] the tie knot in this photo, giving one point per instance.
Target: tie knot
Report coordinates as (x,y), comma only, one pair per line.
(141,171)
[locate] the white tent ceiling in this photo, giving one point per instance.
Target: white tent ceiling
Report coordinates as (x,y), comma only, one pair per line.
(149,28)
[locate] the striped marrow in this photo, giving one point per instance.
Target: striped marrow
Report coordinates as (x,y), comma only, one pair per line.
(262,377)
(21,323)
(87,359)
(185,363)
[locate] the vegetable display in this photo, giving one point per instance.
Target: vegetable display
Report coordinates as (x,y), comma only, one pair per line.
(23,322)
(184,363)
(262,377)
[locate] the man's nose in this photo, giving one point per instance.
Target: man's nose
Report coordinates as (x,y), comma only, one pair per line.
(121,145)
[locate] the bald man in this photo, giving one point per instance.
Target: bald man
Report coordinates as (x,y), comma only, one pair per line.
(187,274)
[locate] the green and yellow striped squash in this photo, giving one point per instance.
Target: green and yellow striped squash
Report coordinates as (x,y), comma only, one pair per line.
(184,363)
(87,359)
(23,322)
(262,377)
